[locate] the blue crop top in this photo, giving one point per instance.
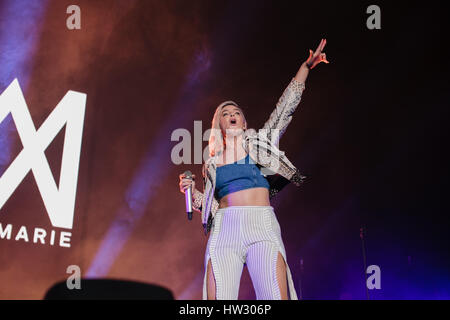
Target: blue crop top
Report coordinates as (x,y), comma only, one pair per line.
(239,175)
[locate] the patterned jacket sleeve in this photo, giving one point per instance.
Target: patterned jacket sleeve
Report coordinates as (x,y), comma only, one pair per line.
(280,118)
(198,196)
(198,199)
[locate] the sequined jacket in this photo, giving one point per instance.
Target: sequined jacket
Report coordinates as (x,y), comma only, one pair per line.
(263,149)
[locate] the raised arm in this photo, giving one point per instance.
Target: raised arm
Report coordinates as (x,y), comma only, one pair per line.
(313,60)
(280,118)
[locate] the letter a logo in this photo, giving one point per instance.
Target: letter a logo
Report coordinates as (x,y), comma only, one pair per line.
(59,201)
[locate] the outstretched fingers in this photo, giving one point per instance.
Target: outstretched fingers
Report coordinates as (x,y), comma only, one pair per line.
(320,47)
(324,42)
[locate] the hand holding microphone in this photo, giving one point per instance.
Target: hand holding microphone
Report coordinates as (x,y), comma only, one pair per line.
(187,186)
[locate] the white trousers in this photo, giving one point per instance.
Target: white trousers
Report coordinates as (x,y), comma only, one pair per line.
(246,235)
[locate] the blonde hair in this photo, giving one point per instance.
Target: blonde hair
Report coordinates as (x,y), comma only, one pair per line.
(216,138)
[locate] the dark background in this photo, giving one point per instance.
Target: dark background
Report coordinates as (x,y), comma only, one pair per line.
(370,133)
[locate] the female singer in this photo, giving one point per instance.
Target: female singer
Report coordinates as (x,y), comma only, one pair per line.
(245,169)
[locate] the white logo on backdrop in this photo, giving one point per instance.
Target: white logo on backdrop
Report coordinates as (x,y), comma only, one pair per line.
(59,201)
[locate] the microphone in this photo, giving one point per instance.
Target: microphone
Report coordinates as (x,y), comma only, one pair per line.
(188,196)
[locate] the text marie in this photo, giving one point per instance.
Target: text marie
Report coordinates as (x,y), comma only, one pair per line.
(38,235)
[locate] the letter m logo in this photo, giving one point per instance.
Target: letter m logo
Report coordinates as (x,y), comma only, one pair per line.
(59,201)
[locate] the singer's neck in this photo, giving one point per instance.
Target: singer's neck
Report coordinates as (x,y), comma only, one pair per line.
(233,148)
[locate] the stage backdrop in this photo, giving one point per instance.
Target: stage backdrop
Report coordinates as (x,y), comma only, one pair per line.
(153,71)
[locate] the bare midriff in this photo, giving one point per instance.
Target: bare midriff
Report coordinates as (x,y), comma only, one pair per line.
(246,197)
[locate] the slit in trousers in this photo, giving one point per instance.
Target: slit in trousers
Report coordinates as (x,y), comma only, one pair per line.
(246,235)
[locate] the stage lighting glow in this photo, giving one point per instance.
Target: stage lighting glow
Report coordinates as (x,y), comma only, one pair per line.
(20,25)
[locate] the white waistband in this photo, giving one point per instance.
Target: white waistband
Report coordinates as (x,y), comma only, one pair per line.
(244,207)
